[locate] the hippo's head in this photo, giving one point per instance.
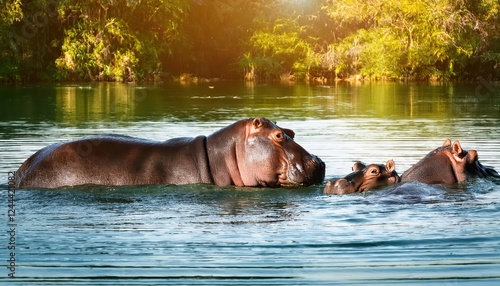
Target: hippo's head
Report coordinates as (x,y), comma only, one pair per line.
(448,164)
(270,157)
(364,177)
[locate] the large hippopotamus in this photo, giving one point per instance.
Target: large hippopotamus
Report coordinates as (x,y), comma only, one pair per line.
(363,178)
(250,152)
(448,164)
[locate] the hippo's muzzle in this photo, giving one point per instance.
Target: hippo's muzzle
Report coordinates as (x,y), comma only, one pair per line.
(311,171)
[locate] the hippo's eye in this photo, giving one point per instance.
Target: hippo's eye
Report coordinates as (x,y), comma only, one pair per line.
(373,171)
(278,135)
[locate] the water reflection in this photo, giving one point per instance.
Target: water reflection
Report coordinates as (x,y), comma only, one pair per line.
(201,234)
(76,103)
(96,102)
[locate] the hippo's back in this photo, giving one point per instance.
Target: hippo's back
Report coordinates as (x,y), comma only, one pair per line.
(113,160)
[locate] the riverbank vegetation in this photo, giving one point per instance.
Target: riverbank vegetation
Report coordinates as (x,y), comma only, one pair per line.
(315,40)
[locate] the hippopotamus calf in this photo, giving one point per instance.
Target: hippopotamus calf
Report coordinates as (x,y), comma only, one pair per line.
(250,152)
(363,178)
(448,164)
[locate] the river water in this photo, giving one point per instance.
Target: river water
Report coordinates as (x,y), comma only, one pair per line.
(200,234)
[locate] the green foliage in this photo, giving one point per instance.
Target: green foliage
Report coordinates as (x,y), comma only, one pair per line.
(130,40)
(114,41)
(10,12)
(109,52)
(281,49)
(26,32)
(87,40)
(407,38)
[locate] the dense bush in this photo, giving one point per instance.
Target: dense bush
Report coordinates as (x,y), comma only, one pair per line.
(131,40)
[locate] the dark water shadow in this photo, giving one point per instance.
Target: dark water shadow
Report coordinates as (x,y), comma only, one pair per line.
(197,203)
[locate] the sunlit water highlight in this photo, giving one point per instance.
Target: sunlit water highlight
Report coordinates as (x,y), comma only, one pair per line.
(199,234)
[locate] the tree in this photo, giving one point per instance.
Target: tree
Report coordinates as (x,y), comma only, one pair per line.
(284,42)
(27,30)
(420,39)
(130,40)
(120,40)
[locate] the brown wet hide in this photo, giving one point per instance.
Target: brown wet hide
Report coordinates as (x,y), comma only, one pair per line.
(448,164)
(115,160)
(268,156)
(363,178)
(250,152)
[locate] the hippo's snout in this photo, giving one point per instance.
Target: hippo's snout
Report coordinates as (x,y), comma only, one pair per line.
(339,187)
(310,170)
(342,186)
(316,167)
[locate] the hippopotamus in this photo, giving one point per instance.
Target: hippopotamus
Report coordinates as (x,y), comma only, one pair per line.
(448,165)
(363,178)
(251,152)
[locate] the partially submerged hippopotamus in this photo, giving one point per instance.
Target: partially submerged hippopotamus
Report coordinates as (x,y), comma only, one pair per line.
(448,164)
(363,178)
(250,152)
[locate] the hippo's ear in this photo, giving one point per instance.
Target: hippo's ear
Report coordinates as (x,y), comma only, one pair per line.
(457,148)
(257,122)
(358,166)
(447,142)
(289,132)
(390,166)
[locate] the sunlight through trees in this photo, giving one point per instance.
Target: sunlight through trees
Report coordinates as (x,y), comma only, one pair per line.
(135,40)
